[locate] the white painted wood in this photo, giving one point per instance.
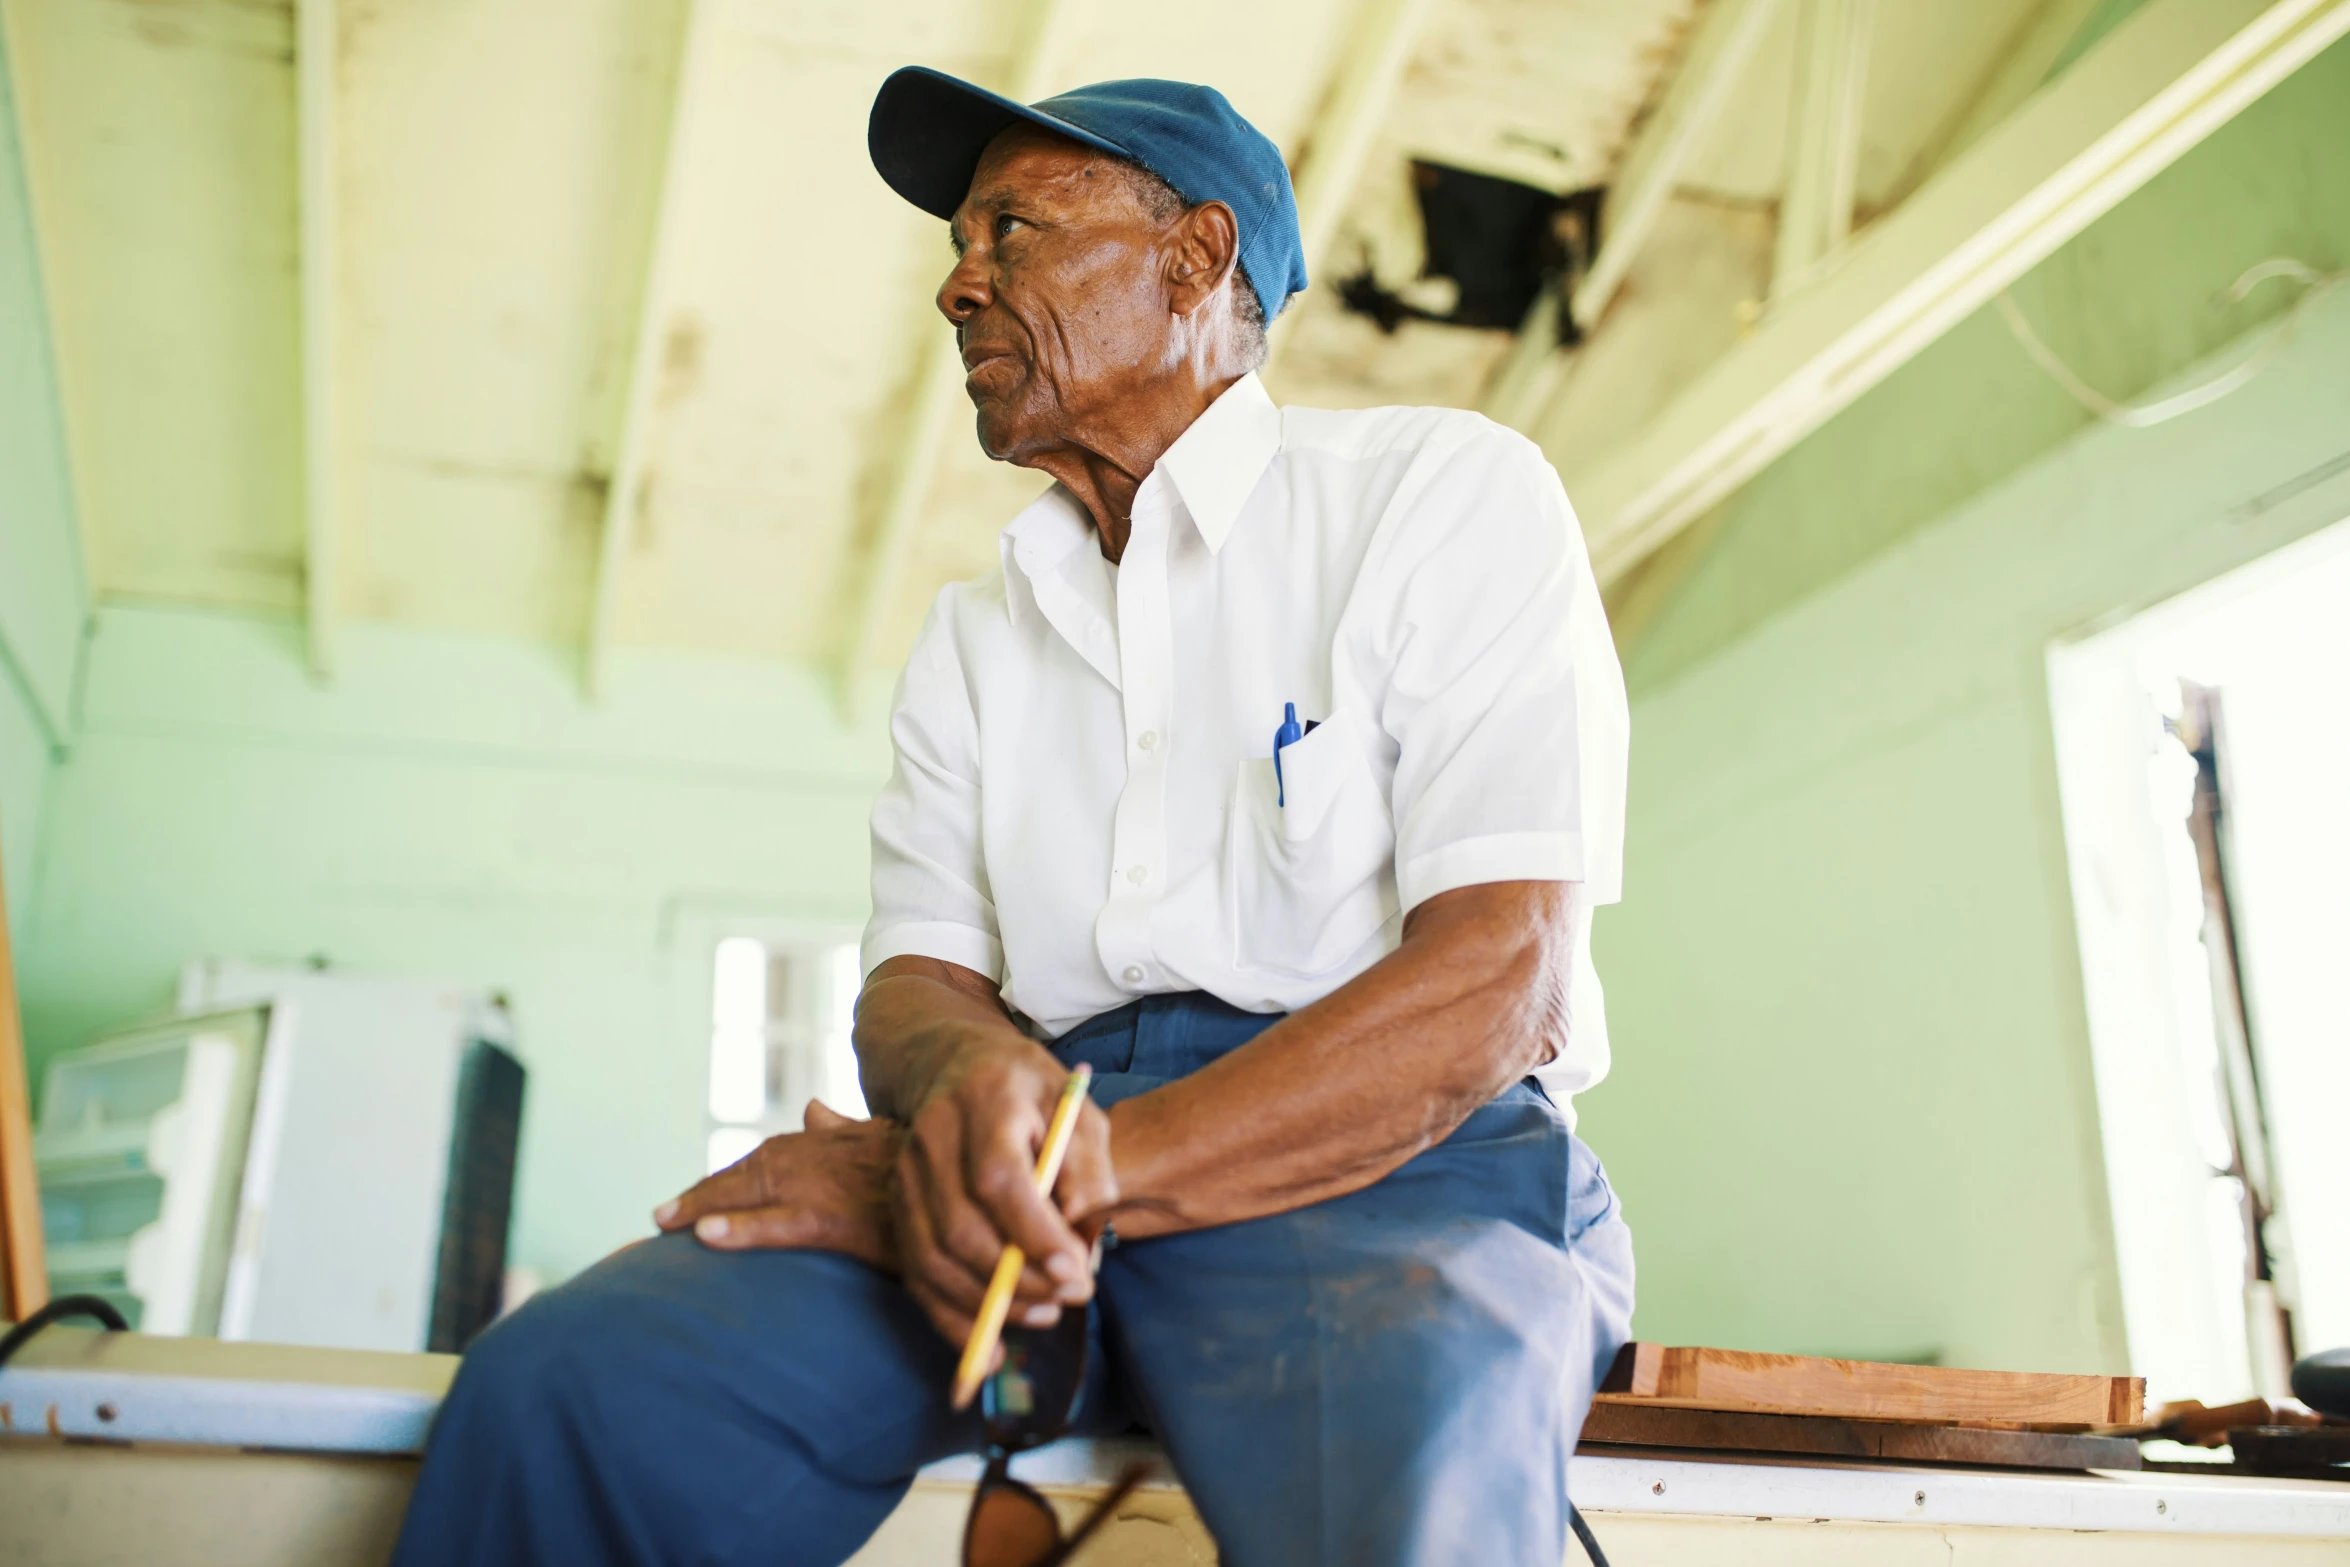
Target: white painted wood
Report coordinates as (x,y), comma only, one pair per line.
(316,50)
(291,1417)
(1856,1493)
(1723,44)
(2159,84)
(191,1391)
(623,494)
(2021,69)
(1823,142)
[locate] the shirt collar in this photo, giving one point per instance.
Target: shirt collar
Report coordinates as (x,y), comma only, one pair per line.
(1216,463)
(1039,542)
(1214,466)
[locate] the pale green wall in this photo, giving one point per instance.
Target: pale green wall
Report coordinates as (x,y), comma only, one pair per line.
(451,807)
(42,596)
(1852,1108)
(24,789)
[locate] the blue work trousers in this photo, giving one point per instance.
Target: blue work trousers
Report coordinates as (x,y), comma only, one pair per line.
(1394,1378)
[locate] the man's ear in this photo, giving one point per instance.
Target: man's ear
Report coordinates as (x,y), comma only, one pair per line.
(1205,248)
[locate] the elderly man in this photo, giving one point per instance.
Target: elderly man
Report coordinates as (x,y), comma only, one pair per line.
(1274,776)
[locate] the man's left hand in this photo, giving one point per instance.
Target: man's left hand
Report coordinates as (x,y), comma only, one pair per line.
(824,1189)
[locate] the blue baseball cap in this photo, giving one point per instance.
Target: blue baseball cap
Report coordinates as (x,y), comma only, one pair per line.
(928,130)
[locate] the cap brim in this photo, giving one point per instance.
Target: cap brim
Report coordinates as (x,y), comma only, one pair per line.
(928,130)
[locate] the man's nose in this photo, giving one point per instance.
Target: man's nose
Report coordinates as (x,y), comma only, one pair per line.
(965,292)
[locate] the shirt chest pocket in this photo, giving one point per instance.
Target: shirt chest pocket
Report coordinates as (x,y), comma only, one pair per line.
(1309,855)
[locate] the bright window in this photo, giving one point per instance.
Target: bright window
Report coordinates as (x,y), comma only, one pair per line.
(780,1014)
(2212,920)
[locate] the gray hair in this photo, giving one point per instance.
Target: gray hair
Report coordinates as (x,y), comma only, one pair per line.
(1163,201)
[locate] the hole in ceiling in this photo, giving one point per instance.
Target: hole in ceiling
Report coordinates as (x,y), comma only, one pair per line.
(1497,242)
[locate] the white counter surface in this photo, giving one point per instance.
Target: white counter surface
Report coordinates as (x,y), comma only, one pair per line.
(74,1382)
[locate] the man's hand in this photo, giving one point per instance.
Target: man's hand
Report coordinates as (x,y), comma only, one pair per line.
(824,1189)
(966,1184)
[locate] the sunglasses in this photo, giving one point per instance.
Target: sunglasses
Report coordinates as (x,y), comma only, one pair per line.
(1028,1402)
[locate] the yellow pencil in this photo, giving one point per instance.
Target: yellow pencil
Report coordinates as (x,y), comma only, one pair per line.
(996,1304)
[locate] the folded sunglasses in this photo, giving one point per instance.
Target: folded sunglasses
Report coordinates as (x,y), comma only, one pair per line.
(1030,1401)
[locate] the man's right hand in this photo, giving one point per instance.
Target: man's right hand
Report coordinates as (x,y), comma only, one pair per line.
(966,1183)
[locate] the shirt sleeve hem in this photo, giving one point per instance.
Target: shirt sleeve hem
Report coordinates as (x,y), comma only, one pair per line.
(1472,862)
(966,945)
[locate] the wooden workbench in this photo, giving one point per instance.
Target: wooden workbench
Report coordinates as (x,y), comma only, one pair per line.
(170,1478)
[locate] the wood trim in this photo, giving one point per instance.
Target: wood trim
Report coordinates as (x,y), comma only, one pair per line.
(1730,1379)
(24,1267)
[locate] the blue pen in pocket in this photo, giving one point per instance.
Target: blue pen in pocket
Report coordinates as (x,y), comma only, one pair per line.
(1288,734)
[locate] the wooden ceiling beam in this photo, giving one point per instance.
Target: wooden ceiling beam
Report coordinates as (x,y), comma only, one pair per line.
(2161,82)
(1823,142)
(316,49)
(1711,68)
(936,396)
(1724,42)
(624,487)
(1385,34)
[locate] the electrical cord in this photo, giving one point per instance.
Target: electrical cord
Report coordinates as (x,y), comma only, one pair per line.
(56,1311)
(1583,1533)
(2139,416)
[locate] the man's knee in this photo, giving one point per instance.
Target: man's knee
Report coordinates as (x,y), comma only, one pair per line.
(526,1365)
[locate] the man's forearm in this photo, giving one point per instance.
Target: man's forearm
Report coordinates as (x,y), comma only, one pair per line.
(912,1016)
(1337,1095)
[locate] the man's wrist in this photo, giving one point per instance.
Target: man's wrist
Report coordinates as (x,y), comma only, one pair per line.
(1137,1157)
(950,1047)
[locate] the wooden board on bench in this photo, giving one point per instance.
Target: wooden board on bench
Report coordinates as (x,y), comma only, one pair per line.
(1632,1423)
(1656,1376)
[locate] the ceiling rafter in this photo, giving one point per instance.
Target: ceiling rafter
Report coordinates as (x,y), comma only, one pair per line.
(316,49)
(1823,141)
(624,490)
(2161,82)
(1355,109)
(1713,64)
(1718,53)
(936,395)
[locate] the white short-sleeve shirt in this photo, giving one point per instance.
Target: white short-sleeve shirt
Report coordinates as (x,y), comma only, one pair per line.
(1085,806)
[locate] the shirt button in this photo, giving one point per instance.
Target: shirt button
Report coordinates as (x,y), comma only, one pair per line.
(1139,874)
(1148,740)
(1133,973)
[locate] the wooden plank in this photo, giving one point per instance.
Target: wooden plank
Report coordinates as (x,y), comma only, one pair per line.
(1630,1423)
(24,1268)
(1731,1379)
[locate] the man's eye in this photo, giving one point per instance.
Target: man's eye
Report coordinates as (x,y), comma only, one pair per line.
(1005,223)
